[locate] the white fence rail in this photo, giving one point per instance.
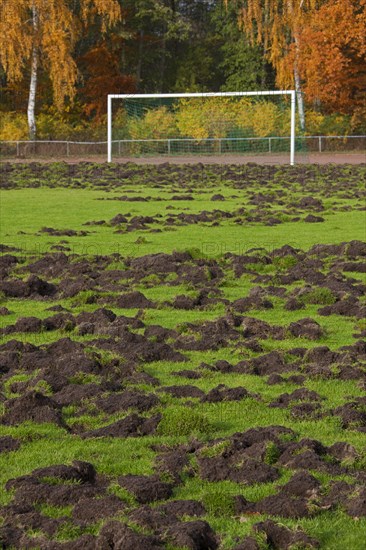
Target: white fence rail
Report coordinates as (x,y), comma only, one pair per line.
(128,147)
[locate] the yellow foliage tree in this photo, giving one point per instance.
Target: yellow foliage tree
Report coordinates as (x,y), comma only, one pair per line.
(47,30)
(276,24)
(265,119)
(156,124)
(191,120)
(209,118)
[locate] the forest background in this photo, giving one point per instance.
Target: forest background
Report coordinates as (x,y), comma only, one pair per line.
(81,50)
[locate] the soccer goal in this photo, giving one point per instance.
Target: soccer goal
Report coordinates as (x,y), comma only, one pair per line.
(249,124)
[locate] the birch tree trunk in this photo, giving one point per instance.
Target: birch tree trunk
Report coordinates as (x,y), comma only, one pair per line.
(33,82)
(299,95)
(300,99)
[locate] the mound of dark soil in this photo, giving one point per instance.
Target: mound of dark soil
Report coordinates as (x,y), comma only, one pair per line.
(137,348)
(348,307)
(306,328)
(356,506)
(183,508)
(256,302)
(90,510)
(258,435)
(310,218)
(173,462)
(302,394)
(248,543)
(63,232)
(24,324)
(237,467)
(60,321)
(353,414)
(131,426)
(280,537)
(160,263)
(292,501)
(134,300)
(307,454)
(32,406)
(146,488)
(191,374)
(58,485)
(223,393)
(129,399)
(195,535)
(182,198)
(32,287)
(311,203)
(158,333)
(8,444)
(306,410)
(71,394)
(208,335)
(118,219)
(256,328)
(269,363)
(80,472)
(101,316)
(275,379)
(50,265)
(293,305)
(117,535)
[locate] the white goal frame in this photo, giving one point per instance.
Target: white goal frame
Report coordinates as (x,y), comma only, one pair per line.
(291,93)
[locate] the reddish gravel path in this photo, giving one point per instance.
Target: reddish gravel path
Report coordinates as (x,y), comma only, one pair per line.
(307,158)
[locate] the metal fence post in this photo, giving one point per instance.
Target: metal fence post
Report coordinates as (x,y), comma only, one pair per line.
(269,145)
(18,149)
(67,148)
(320,144)
(169,149)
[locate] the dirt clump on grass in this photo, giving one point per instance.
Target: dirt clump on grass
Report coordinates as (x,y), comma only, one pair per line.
(132,425)
(8,444)
(280,537)
(32,406)
(146,488)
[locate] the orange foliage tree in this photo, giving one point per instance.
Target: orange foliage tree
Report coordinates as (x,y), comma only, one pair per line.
(316,45)
(276,24)
(333,56)
(104,77)
(35,31)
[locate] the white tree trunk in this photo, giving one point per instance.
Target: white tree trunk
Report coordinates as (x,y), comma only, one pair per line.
(299,95)
(33,83)
(300,99)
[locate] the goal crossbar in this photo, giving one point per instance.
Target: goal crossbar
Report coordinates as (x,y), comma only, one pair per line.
(291,93)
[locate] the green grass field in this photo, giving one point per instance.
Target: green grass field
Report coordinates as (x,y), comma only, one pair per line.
(232,248)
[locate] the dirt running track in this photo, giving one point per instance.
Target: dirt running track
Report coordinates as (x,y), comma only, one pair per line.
(308,158)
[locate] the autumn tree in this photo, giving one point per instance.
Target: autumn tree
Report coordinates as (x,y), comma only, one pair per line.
(276,24)
(103,76)
(46,31)
(333,56)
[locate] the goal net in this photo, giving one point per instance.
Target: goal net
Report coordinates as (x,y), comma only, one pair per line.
(249,124)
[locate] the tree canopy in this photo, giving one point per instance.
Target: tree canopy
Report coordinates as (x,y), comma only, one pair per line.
(58,26)
(70,53)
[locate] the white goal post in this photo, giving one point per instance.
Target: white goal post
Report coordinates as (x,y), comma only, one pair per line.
(291,93)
